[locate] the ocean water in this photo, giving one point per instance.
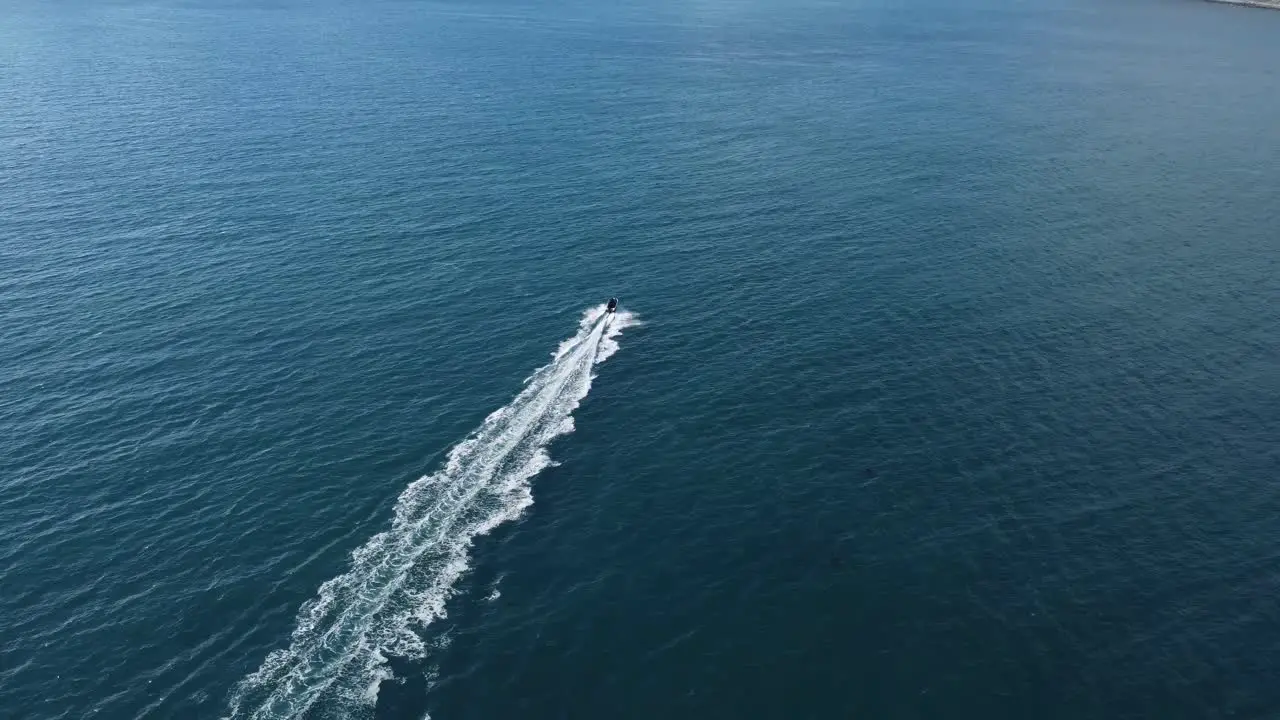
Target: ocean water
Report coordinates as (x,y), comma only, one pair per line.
(947,382)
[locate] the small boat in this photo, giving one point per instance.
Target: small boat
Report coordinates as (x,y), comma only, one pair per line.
(612,306)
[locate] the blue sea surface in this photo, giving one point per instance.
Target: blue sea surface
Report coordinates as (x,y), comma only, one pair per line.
(947,382)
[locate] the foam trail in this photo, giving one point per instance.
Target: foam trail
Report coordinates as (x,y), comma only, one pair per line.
(400,579)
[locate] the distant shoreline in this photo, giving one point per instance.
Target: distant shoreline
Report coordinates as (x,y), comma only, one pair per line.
(1268,4)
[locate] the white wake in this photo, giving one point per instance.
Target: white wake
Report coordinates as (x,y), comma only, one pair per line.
(400,579)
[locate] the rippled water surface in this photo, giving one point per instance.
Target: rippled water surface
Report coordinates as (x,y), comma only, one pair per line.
(946,384)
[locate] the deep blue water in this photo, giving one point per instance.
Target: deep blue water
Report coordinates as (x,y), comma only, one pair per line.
(950,386)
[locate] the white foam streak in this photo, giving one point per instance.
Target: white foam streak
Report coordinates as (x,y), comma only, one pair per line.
(400,580)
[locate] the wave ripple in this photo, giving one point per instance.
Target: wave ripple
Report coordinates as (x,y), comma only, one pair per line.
(400,579)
